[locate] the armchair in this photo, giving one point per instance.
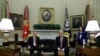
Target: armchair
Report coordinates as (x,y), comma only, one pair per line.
(66,34)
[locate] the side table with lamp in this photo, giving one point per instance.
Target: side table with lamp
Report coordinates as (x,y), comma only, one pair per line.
(92,27)
(6,26)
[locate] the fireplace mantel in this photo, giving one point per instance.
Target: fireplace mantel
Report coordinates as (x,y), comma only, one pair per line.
(47,34)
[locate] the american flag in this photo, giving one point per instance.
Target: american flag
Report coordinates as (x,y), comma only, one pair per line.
(66,22)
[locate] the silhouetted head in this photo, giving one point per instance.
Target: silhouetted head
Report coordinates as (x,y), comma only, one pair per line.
(16,37)
(16,34)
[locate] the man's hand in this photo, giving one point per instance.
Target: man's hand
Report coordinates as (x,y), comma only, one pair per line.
(63,49)
(58,48)
(29,47)
(42,45)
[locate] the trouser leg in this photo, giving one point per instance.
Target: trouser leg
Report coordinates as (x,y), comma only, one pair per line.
(31,52)
(66,52)
(55,52)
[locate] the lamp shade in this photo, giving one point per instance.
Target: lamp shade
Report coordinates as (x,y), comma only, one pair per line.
(0,24)
(92,25)
(6,24)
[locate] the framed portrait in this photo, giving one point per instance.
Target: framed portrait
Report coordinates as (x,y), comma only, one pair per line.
(17,20)
(46,15)
(77,21)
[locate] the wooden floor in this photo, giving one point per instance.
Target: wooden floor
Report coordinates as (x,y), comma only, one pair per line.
(71,54)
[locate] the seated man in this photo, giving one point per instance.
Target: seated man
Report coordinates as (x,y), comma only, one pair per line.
(97,39)
(34,44)
(61,44)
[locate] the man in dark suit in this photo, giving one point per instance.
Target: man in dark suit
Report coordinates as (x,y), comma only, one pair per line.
(61,44)
(34,44)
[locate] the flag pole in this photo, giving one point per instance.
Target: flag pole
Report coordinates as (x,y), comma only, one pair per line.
(66,21)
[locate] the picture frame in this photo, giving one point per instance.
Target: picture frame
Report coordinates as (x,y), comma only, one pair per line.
(46,15)
(17,20)
(77,21)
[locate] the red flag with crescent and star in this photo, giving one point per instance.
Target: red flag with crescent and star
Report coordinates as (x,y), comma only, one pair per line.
(26,23)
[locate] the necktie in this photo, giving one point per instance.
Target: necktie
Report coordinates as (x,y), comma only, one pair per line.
(34,41)
(61,41)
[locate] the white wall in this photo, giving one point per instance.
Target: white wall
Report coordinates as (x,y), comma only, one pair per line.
(75,7)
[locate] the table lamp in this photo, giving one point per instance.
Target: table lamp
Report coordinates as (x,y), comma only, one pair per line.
(6,26)
(92,27)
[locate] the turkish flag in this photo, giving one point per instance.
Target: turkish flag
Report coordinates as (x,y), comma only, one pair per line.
(26,23)
(25,31)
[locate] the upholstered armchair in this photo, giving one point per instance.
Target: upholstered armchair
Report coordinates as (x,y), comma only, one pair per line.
(66,34)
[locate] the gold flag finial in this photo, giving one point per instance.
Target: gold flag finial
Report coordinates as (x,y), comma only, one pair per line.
(87,2)
(65,6)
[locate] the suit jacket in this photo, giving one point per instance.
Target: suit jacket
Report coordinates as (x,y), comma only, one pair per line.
(97,40)
(31,42)
(64,44)
(80,40)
